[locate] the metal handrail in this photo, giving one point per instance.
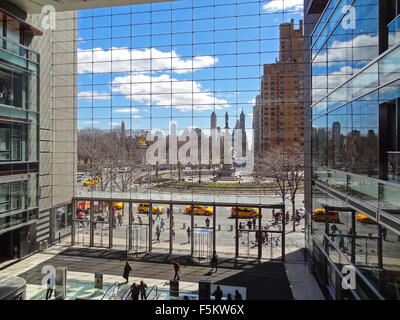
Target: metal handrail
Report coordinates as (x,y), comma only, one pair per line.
(115,284)
(155,286)
(359,273)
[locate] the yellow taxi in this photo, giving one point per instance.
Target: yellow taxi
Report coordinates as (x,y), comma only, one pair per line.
(319,215)
(91,181)
(200,210)
(360,217)
(245,212)
(144,208)
(117,205)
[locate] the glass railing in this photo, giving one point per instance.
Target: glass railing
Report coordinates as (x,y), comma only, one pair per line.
(394,166)
(394,32)
(18,54)
(337,258)
(380,194)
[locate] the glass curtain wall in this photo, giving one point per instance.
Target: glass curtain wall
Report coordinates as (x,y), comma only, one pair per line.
(177,101)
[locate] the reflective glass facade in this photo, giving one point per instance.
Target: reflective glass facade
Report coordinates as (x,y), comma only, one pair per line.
(353,148)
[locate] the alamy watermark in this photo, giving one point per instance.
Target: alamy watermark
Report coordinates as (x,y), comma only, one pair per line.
(349,20)
(349,279)
(198,148)
(49,17)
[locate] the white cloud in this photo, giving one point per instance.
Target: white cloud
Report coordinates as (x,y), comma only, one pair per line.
(283,5)
(89,95)
(114,124)
(127,110)
(98,60)
(137,117)
(89,122)
(165,91)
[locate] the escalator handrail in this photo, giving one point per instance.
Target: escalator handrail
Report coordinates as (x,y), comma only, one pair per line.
(115,284)
(155,286)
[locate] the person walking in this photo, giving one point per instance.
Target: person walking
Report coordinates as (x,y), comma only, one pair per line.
(214,262)
(134,292)
(119,217)
(254,223)
(218,294)
(143,289)
(127,270)
(287,217)
(140,220)
(162,223)
(238,296)
(168,212)
(249,224)
(173,232)
(188,231)
(50,286)
(158,233)
(207,222)
(177,269)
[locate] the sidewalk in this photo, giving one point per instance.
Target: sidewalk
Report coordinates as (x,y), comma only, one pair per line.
(302,283)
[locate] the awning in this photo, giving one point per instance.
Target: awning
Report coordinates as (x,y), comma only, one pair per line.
(22,24)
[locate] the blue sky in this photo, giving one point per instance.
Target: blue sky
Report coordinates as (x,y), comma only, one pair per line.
(180,64)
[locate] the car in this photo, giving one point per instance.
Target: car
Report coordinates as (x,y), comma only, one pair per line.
(144,208)
(360,217)
(319,215)
(117,205)
(245,212)
(91,181)
(200,210)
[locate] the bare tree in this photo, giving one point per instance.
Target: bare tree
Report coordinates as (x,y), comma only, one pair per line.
(286,167)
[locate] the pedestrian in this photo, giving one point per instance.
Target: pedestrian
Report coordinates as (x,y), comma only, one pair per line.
(218,294)
(273,214)
(158,233)
(341,240)
(287,217)
(214,262)
(229,297)
(127,269)
(173,232)
(50,286)
(140,220)
(142,289)
(114,222)
(238,296)
(134,292)
(207,222)
(249,224)
(162,224)
(188,231)
(177,269)
(254,223)
(168,212)
(119,217)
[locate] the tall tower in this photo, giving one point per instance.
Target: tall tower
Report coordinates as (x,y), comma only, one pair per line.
(242,121)
(213,121)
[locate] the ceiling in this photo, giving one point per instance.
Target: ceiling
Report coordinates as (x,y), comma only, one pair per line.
(35,6)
